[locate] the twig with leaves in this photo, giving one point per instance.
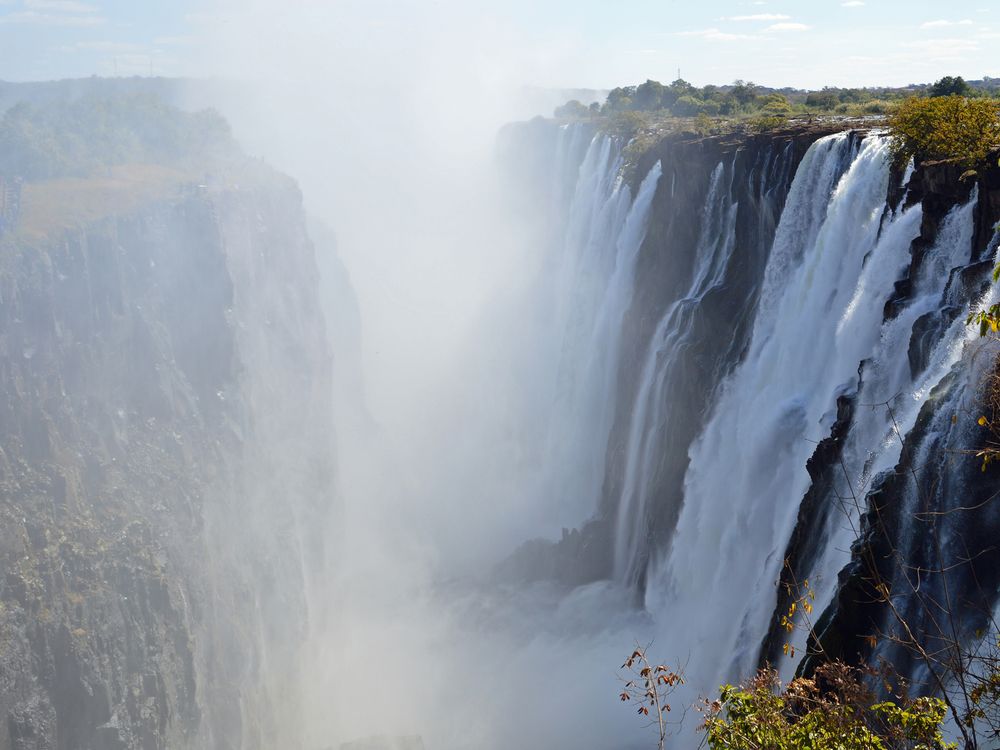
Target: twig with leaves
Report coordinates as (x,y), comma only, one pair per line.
(648,687)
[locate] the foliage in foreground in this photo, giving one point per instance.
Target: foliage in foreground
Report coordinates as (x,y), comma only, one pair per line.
(648,688)
(945,127)
(834,710)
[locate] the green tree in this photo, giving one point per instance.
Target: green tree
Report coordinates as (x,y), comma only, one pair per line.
(744,92)
(676,90)
(572,110)
(620,99)
(946,127)
(949,86)
(824,100)
(649,96)
(774,105)
(687,106)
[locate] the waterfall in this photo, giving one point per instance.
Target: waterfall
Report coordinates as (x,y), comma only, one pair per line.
(741,358)
(591,288)
(893,388)
(818,318)
(650,415)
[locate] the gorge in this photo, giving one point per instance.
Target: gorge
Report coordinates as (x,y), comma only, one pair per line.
(734,363)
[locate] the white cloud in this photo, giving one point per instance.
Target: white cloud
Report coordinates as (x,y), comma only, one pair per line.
(34,18)
(788,27)
(852,4)
(759,17)
(942,24)
(60,6)
(715,35)
(943,50)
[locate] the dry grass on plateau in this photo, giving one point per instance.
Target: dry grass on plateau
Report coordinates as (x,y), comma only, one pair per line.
(50,206)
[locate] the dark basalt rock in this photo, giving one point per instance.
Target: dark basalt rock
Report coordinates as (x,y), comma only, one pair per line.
(580,557)
(913,514)
(826,474)
(760,169)
(911,507)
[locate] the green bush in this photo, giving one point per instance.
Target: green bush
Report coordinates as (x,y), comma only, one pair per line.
(765,123)
(945,127)
(834,710)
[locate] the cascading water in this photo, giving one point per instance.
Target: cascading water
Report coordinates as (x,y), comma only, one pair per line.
(833,266)
(747,470)
(695,334)
(892,390)
(591,285)
(649,418)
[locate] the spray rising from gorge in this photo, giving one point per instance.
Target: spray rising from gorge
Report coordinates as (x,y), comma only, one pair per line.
(377,412)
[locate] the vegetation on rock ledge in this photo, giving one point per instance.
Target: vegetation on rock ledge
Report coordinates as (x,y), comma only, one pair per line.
(945,127)
(84,137)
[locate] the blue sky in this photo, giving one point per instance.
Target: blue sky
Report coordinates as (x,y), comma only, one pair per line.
(595,43)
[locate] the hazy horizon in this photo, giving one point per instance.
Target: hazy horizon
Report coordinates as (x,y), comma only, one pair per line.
(556,45)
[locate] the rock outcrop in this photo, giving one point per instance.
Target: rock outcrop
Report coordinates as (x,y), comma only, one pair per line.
(165,467)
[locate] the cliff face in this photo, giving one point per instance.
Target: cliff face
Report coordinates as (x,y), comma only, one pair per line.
(796,394)
(713,190)
(935,508)
(754,174)
(165,467)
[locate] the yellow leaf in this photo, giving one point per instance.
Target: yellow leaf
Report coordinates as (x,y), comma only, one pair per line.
(982,421)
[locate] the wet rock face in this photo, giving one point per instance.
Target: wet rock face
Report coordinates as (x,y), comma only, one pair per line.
(932,510)
(142,363)
(756,175)
(758,171)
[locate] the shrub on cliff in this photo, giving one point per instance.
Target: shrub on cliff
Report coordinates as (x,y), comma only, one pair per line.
(834,710)
(946,127)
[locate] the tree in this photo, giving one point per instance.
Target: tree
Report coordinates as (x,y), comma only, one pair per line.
(687,106)
(648,687)
(620,99)
(949,86)
(946,127)
(744,92)
(572,110)
(649,96)
(774,105)
(825,100)
(676,90)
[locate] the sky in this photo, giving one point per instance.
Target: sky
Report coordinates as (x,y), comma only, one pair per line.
(550,43)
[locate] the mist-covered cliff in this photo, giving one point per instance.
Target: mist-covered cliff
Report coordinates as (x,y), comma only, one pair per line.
(165,452)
